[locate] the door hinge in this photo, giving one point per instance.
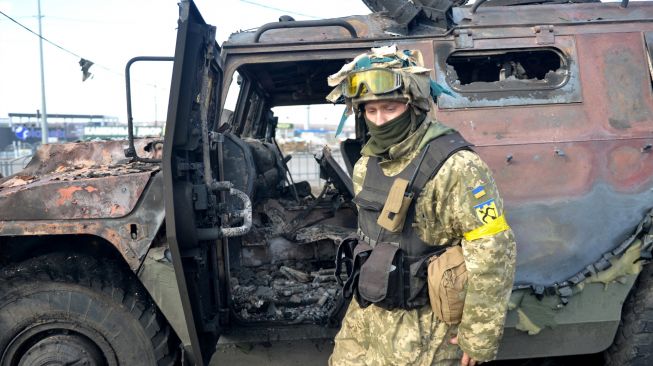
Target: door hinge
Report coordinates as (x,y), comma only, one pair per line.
(463,38)
(544,34)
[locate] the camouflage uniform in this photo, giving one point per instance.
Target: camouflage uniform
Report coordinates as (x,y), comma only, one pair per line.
(444,210)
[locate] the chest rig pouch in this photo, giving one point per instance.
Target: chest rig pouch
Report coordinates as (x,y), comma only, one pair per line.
(387,262)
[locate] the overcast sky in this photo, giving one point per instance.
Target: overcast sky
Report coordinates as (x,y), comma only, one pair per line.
(109,33)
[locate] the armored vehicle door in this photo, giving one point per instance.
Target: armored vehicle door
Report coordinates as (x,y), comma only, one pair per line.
(194,192)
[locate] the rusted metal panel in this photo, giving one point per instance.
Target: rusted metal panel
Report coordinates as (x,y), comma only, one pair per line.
(75,181)
(370,26)
(86,188)
(131,234)
(488,22)
(572,164)
(570,207)
(112,196)
(616,101)
(544,34)
(589,13)
(620,99)
(563,170)
(575,177)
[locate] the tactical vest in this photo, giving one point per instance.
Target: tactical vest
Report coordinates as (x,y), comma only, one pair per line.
(386,268)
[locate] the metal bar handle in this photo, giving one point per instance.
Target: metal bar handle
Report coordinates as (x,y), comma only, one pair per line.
(245,214)
(305,24)
(131,150)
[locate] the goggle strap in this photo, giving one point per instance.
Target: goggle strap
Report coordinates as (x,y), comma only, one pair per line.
(341,125)
(437,89)
(363,63)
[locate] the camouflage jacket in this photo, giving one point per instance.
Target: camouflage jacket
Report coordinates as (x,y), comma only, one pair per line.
(451,205)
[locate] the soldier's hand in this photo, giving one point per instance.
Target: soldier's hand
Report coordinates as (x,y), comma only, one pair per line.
(466,360)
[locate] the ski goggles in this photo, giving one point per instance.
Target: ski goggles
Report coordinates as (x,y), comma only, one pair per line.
(375,81)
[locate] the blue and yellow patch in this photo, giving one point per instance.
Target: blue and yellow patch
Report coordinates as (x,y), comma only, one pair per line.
(487,211)
(478,192)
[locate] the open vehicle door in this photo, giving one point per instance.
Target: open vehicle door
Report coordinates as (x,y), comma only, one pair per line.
(194,192)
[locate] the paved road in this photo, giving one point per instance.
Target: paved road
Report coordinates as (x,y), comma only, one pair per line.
(297,353)
(316,353)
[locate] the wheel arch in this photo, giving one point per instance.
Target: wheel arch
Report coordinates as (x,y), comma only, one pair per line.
(17,249)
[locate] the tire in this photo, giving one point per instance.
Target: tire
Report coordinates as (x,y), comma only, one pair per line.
(75,310)
(633,344)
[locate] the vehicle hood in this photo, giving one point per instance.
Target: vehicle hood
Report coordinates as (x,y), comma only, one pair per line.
(80,180)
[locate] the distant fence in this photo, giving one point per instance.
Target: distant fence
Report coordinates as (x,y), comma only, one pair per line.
(12,166)
(303,166)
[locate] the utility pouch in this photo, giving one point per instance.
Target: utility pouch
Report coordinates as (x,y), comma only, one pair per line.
(394,211)
(447,284)
(381,280)
(352,253)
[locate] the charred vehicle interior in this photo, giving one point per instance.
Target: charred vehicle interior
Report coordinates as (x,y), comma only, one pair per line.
(283,268)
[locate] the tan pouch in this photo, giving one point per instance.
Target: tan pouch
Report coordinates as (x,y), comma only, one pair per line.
(394,211)
(447,283)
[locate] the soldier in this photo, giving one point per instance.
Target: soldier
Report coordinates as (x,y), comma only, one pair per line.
(415,169)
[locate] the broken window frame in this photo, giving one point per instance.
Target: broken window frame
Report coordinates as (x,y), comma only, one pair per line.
(503,85)
(570,92)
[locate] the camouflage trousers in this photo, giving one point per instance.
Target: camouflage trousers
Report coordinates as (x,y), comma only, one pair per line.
(373,336)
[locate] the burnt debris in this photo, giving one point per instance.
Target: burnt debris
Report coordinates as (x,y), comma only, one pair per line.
(290,291)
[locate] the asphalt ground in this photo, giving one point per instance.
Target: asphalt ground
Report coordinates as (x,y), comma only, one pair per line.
(316,353)
(288,353)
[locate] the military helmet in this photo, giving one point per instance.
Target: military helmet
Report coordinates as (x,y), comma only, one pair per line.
(385,73)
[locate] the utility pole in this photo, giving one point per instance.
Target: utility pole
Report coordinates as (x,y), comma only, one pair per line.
(307,124)
(44,116)
(156,117)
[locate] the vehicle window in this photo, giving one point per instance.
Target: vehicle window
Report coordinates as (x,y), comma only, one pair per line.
(289,99)
(506,70)
(498,76)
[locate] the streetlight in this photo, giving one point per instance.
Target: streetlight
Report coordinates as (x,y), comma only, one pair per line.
(44,117)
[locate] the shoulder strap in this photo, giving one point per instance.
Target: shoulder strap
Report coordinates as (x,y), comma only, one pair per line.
(377,185)
(441,148)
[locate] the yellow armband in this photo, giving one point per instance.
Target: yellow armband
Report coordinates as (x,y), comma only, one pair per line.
(493,227)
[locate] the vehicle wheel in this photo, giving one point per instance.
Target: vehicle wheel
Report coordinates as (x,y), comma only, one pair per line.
(633,344)
(62,309)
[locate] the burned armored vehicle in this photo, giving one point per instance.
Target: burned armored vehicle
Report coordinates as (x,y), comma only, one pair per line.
(147,256)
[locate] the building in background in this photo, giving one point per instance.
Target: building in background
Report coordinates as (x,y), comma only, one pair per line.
(25,128)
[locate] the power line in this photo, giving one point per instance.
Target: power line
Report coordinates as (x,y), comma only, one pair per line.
(92,21)
(70,52)
(36,34)
(277,9)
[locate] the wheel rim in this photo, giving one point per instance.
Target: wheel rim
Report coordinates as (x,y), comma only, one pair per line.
(59,343)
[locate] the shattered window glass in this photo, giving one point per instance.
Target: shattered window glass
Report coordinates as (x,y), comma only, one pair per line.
(502,70)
